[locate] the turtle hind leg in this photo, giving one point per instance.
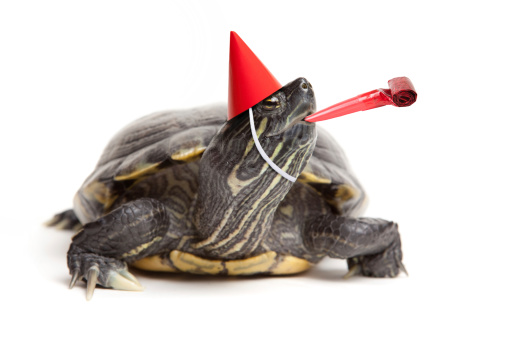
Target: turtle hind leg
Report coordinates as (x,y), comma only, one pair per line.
(371,246)
(66,220)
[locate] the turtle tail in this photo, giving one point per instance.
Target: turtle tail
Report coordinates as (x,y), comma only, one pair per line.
(66,220)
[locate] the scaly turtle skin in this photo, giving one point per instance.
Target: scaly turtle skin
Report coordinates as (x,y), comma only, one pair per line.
(187,191)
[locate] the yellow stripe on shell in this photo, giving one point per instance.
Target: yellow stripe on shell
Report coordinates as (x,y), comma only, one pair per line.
(250,266)
(154,263)
(141,170)
(186,262)
(98,191)
(266,263)
(287,210)
(308,177)
(345,192)
(290,265)
(188,155)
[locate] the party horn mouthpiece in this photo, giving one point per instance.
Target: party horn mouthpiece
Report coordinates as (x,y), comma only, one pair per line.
(401,93)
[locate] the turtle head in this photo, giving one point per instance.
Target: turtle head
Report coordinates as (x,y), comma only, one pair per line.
(238,191)
(282,132)
(285,110)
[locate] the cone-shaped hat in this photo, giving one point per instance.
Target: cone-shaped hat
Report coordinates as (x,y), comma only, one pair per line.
(250,81)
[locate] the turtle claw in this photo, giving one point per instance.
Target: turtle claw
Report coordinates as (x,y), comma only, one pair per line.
(118,280)
(99,270)
(129,276)
(75,278)
(402,268)
(354,270)
(124,280)
(92,278)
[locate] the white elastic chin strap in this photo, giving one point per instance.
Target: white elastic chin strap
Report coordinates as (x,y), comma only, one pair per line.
(263,154)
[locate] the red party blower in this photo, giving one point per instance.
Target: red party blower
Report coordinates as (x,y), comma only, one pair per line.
(401,93)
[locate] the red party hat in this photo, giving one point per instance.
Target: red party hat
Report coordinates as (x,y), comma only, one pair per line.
(250,81)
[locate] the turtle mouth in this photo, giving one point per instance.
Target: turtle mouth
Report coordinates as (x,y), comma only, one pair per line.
(299,119)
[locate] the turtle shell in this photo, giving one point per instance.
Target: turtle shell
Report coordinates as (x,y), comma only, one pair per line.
(329,173)
(165,139)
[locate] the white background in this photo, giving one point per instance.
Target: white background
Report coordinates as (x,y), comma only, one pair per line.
(73,73)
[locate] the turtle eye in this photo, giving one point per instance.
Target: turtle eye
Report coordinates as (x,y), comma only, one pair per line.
(271,103)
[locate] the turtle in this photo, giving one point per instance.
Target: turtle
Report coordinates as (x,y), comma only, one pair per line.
(187,191)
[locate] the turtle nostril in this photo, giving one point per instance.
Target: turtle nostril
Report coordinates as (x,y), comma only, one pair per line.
(304,85)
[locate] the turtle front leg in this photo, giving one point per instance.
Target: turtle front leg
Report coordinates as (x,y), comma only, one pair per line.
(100,252)
(371,246)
